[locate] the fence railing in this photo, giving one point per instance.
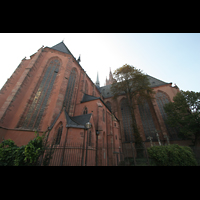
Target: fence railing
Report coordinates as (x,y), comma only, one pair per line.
(77,155)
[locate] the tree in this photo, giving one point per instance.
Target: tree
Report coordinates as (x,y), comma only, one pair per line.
(132,83)
(26,155)
(184,114)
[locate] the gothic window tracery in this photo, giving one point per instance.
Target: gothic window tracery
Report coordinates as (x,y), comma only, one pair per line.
(39,100)
(70,90)
(86,87)
(93,92)
(59,134)
(127,121)
(162,99)
(147,119)
(85,111)
(103,115)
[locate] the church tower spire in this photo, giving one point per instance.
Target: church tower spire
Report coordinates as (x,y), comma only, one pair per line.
(110,80)
(110,75)
(97,81)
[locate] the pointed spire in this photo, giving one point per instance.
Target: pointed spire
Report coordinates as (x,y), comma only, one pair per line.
(97,81)
(79,59)
(110,80)
(110,75)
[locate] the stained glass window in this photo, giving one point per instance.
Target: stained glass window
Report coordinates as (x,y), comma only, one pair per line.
(147,119)
(103,115)
(93,93)
(127,121)
(86,87)
(85,111)
(70,89)
(37,107)
(162,99)
(59,134)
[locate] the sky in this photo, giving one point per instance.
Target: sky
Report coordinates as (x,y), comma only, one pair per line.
(170,57)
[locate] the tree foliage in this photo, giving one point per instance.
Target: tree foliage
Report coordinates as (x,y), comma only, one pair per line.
(12,155)
(184,114)
(132,83)
(172,155)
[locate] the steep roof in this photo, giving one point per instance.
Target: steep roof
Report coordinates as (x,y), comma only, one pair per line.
(87,97)
(154,82)
(61,47)
(82,119)
(106,91)
(77,121)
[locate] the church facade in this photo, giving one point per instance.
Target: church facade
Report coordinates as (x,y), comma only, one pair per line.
(51,93)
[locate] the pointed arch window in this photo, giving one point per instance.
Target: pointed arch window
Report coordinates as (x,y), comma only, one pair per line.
(70,90)
(85,111)
(127,121)
(35,110)
(86,87)
(147,119)
(59,134)
(93,92)
(103,115)
(162,99)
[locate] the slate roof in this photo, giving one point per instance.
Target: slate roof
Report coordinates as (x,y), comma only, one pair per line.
(87,97)
(72,123)
(82,119)
(61,47)
(106,91)
(154,82)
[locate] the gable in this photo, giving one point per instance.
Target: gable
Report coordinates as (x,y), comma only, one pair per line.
(61,47)
(87,97)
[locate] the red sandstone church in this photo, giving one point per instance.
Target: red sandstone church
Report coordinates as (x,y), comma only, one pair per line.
(51,92)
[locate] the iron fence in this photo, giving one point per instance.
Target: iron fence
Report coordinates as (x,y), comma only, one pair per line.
(77,155)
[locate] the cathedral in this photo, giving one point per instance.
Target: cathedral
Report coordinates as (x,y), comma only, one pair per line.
(51,93)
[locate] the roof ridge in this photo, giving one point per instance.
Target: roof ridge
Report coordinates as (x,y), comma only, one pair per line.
(69,118)
(156,78)
(62,48)
(87,97)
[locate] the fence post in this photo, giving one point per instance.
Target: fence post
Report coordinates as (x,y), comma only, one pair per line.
(82,160)
(62,157)
(117,159)
(146,153)
(133,154)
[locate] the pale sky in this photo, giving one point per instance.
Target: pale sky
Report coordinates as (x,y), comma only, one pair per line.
(170,57)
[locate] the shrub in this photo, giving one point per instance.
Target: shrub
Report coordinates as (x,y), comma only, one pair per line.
(12,155)
(172,155)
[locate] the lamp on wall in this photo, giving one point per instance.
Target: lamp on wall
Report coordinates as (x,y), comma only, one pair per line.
(88,125)
(97,132)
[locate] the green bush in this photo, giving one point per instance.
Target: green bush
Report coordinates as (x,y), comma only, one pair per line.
(12,155)
(172,155)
